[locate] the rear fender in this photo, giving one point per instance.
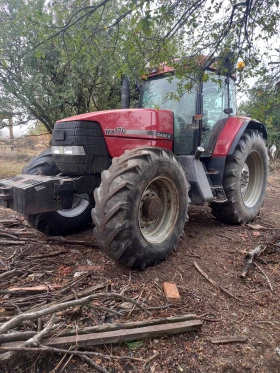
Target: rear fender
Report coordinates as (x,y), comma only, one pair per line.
(231,133)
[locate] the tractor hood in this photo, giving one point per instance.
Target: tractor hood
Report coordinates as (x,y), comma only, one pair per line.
(124,129)
(131,122)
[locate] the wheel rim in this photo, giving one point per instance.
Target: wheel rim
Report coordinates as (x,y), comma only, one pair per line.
(158,209)
(80,204)
(252,177)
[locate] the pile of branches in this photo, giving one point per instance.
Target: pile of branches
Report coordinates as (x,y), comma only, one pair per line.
(39,316)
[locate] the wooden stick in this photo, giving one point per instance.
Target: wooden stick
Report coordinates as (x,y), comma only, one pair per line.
(30,289)
(44,348)
(71,242)
(11,272)
(229,339)
(8,242)
(56,253)
(115,336)
(17,336)
(265,275)
(93,364)
(129,325)
(214,283)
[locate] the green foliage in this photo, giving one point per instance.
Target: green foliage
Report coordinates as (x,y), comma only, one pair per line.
(264,105)
(134,345)
(59,58)
(36,129)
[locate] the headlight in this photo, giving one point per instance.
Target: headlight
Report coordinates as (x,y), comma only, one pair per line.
(68,150)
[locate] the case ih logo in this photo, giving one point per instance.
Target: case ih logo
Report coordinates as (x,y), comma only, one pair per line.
(116,131)
(164,135)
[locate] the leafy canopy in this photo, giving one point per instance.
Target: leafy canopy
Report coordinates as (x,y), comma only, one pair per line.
(59,58)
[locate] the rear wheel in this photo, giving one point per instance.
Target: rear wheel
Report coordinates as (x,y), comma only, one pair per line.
(141,207)
(244,180)
(60,222)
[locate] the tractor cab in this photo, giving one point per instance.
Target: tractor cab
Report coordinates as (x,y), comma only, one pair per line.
(198,108)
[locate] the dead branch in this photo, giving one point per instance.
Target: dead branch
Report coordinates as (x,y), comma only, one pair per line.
(93,364)
(150,359)
(8,242)
(33,341)
(67,298)
(15,221)
(250,258)
(10,273)
(56,253)
(214,283)
(62,306)
(30,289)
(43,348)
(71,242)
(265,275)
(5,234)
(17,336)
(229,339)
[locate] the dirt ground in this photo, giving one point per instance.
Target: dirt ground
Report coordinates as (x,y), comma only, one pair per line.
(218,249)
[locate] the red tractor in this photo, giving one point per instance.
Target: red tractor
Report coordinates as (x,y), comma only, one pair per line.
(134,172)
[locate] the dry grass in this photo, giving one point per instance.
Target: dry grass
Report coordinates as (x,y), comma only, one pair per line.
(12,162)
(10,168)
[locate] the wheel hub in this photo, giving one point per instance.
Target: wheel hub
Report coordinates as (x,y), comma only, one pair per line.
(152,208)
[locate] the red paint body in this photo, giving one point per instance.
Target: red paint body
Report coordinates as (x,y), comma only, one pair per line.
(132,128)
(228,135)
(127,129)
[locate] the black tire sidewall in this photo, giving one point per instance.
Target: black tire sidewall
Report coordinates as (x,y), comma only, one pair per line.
(248,213)
(234,210)
(151,253)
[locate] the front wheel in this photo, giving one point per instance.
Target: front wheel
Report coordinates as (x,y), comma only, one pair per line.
(244,181)
(141,207)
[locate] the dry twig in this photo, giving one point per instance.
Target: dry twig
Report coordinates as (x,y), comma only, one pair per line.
(214,283)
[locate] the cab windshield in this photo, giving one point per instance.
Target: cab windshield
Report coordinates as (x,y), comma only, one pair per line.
(209,99)
(168,93)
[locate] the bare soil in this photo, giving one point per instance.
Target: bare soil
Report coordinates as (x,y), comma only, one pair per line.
(218,249)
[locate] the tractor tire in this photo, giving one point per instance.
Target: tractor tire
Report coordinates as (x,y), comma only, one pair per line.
(244,180)
(62,222)
(141,207)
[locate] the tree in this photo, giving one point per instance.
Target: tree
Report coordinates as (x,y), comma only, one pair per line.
(264,104)
(61,58)
(56,75)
